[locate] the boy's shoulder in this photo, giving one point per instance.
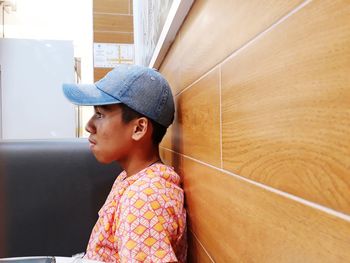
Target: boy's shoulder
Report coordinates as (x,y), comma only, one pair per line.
(157,188)
(156,179)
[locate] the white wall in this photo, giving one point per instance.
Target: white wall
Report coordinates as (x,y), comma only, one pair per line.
(1,27)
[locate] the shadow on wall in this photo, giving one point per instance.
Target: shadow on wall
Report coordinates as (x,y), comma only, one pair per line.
(176,142)
(177,163)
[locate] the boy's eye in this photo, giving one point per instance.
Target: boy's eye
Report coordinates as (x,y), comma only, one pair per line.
(98,115)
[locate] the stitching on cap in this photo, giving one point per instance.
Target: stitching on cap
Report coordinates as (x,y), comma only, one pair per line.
(107,93)
(126,87)
(162,100)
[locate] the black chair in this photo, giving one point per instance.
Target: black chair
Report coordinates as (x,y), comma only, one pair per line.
(50,194)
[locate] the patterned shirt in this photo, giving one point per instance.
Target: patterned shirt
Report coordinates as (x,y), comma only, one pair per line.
(142,220)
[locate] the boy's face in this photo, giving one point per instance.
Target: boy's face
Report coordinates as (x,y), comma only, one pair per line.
(110,138)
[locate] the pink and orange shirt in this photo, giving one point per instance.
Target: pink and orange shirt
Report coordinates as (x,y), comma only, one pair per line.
(142,220)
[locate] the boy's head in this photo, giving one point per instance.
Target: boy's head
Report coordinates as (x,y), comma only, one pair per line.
(140,88)
(138,98)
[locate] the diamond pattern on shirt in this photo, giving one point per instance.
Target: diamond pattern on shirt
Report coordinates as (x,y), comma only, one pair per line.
(142,220)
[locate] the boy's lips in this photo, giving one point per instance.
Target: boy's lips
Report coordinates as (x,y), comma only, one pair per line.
(92,142)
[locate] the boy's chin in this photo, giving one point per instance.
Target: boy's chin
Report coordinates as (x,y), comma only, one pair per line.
(102,159)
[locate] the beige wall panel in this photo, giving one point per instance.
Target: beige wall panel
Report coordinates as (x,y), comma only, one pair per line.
(166,156)
(112,6)
(196,128)
(239,222)
(196,131)
(99,73)
(121,23)
(196,253)
(168,139)
(285,106)
(213,30)
(110,37)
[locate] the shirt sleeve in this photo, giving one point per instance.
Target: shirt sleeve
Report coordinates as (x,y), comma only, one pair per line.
(142,228)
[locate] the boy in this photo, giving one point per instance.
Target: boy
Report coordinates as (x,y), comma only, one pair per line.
(143,218)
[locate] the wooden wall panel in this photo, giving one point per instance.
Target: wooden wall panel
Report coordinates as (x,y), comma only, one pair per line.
(285,123)
(112,6)
(168,140)
(196,130)
(117,23)
(213,30)
(196,254)
(240,222)
(100,73)
(286,114)
(113,37)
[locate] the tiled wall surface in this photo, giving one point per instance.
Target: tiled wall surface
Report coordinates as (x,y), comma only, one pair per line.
(262,132)
(113,23)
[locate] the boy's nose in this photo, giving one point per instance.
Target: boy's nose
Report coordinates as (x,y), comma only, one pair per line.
(90,127)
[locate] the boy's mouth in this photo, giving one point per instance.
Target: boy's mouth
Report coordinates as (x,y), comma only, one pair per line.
(92,142)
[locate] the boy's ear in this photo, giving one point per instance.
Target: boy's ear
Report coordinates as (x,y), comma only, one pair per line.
(140,128)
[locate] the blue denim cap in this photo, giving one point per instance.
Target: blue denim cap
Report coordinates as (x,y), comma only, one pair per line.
(142,89)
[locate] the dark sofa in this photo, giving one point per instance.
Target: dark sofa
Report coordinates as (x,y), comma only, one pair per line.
(50,193)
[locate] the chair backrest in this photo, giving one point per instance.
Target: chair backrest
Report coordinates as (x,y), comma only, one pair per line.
(50,194)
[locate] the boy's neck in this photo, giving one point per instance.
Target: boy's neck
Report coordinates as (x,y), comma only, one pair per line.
(140,160)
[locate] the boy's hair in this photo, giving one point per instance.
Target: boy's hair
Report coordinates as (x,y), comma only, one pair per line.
(129,114)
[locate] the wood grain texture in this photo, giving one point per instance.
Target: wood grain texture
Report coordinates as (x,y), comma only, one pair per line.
(213,30)
(99,73)
(240,222)
(195,252)
(111,6)
(196,129)
(115,23)
(285,110)
(168,140)
(110,37)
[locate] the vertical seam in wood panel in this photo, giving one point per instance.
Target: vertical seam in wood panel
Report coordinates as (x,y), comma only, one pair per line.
(250,42)
(130,6)
(196,81)
(200,243)
(298,199)
(220,112)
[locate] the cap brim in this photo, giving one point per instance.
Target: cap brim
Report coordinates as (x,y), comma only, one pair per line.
(87,95)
